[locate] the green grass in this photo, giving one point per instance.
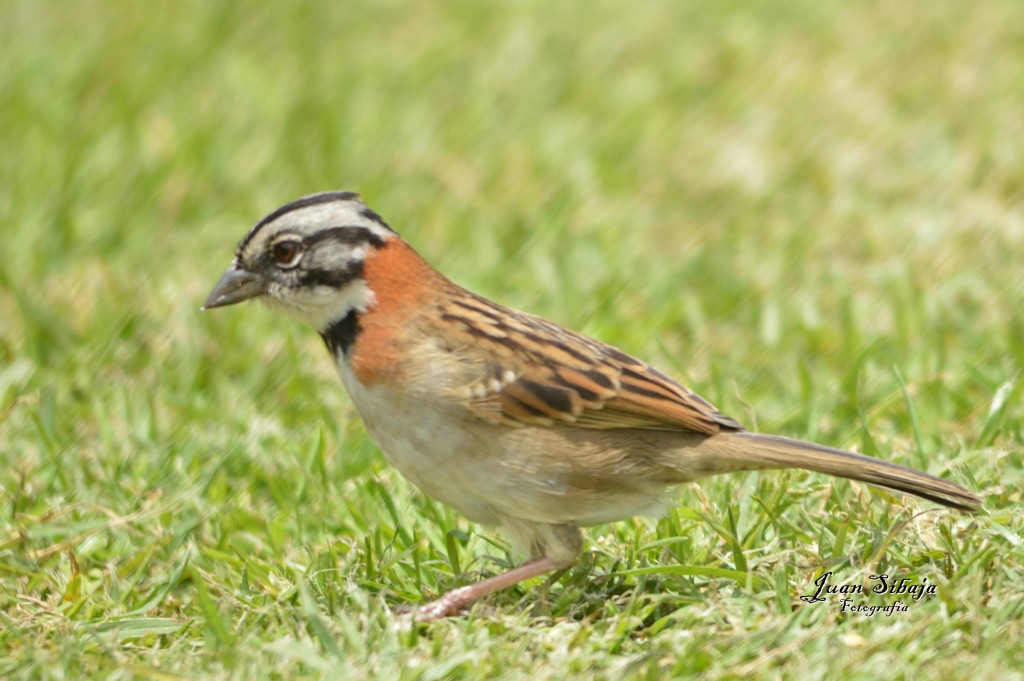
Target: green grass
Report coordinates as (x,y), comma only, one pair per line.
(813,213)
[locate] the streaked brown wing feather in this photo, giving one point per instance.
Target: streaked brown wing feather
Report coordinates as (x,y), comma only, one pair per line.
(539,373)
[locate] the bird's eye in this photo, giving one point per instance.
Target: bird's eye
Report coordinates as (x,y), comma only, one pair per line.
(286,253)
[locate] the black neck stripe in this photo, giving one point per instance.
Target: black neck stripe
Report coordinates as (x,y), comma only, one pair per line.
(341,334)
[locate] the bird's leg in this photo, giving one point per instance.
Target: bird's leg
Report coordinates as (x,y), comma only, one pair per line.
(457,600)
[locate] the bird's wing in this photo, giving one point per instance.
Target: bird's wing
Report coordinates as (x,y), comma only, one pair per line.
(538,373)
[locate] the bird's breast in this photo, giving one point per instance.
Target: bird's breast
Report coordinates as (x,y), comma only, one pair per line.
(487,472)
(427,440)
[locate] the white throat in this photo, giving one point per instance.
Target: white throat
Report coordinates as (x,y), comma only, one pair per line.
(321,306)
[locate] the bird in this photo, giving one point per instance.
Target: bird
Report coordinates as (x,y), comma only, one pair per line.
(510,419)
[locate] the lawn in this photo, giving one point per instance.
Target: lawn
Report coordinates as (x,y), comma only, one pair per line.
(811,213)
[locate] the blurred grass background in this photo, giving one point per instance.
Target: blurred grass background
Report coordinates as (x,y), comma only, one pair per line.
(813,213)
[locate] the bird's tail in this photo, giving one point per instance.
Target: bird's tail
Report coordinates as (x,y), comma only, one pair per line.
(727,452)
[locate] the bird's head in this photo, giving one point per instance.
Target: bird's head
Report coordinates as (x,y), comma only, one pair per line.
(307,259)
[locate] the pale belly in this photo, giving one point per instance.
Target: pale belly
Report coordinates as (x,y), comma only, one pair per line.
(430,448)
(491,473)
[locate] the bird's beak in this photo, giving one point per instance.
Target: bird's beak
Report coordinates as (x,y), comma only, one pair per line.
(235,286)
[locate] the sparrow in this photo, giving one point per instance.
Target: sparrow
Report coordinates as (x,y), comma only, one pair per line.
(510,419)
